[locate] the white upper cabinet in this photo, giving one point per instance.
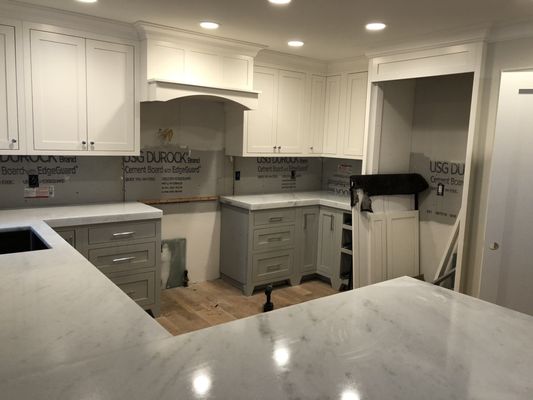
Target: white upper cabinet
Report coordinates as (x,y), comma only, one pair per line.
(333,122)
(316,119)
(290,115)
(82,95)
(9,118)
(110,96)
(276,127)
(59,97)
(261,126)
(355,114)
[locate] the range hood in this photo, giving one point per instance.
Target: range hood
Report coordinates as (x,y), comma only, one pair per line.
(176,63)
(165,90)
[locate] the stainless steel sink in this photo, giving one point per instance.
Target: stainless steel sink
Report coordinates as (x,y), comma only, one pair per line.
(21,240)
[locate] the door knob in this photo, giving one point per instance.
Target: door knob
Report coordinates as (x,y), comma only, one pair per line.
(83,142)
(494,246)
(92,143)
(279,147)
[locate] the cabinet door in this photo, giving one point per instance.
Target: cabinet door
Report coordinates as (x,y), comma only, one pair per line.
(316,119)
(9,132)
(110,96)
(290,114)
(261,122)
(355,114)
(58,80)
(402,244)
(329,243)
(308,240)
(377,245)
(332,121)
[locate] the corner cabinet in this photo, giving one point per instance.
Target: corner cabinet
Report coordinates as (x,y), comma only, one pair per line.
(10,92)
(81,95)
(276,127)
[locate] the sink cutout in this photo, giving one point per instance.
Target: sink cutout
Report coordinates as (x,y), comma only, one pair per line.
(21,240)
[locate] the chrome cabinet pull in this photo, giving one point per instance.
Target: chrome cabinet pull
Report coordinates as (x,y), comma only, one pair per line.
(122,234)
(123,259)
(274,239)
(130,293)
(275,219)
(13,141)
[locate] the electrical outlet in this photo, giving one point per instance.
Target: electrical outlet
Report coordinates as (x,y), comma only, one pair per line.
(237,175)
(33,181)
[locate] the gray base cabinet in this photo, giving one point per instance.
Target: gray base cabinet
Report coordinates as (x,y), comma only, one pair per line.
(128,253)
(329,245)
(270,246)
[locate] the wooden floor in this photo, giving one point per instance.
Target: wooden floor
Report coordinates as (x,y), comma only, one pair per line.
(211,303)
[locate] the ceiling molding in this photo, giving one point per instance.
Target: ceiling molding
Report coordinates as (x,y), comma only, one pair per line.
(441,39)
(271,58)
(352,64)
(72,20)
(518,30)
(149,30)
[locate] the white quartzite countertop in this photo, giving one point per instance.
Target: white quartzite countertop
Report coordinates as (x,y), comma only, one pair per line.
(282,200)
(66,332)
(56,307)
(401,339)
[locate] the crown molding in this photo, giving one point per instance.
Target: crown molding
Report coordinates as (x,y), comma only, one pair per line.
(150,31)
(277,59)
(67,19)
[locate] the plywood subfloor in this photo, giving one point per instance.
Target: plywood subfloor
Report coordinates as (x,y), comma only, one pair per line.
(211,303)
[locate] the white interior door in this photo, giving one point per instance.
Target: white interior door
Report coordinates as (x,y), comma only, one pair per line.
(507,275)
(110,96)
(9,134)
(290,120)
(58,79)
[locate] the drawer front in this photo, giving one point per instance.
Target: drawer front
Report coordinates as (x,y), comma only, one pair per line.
(272,238)
(269,217)
(115,233)
(123,258)
(268,267)
(140,287)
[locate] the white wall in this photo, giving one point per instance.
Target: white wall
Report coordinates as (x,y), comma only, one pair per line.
(507,55)
(199,124)
(440,129)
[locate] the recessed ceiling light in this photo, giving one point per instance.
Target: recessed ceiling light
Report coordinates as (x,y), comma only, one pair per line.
(280,2)
(295,43)
(209,25)
(375,26)
(87,1)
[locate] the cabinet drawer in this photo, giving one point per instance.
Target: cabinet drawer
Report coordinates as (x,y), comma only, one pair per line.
(268,267)
(274,216)
(110,233)
(272,238)
(140,287)
(123,258)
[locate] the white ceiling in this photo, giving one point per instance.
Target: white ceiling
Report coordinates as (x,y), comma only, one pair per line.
(331,29)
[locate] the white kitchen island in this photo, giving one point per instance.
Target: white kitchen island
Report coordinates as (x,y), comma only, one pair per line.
(400,339)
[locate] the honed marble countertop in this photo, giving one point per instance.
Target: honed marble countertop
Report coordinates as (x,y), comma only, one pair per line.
(401,339)
(55,306)
(282,200)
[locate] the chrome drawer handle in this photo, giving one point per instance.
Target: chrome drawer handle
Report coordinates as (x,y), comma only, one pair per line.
(274,239)
(131,293)
(274,267)
(123,259)
(120,234)
(275,219)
